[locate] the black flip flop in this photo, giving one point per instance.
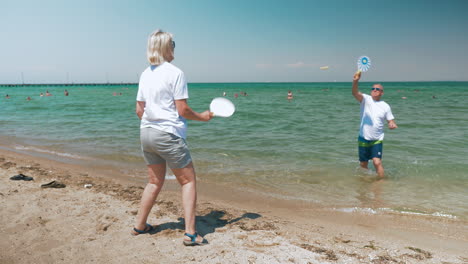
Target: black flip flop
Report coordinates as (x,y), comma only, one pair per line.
(21,177)
(53,184)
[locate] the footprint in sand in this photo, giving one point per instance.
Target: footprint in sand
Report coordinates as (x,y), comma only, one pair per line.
(103,222)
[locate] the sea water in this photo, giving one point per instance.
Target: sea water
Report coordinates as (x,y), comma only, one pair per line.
(300,149)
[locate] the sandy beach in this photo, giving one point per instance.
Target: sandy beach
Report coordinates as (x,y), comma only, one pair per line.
(92,225)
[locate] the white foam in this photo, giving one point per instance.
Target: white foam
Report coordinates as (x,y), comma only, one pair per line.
(437,214)
(356,209)
(170,177)
(68,155)
(376,211)
(444,215)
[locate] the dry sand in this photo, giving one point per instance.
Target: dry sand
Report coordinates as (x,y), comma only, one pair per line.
(92,225)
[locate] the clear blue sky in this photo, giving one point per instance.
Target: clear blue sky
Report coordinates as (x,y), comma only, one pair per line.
(235,41)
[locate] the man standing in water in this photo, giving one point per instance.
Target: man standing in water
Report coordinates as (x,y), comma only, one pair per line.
(373,114)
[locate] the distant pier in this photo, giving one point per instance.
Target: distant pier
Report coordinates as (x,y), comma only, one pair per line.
(64,84)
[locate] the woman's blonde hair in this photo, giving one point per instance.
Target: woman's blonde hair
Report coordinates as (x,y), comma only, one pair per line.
(160,47)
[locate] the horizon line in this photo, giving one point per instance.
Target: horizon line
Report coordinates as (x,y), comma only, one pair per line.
(136,83)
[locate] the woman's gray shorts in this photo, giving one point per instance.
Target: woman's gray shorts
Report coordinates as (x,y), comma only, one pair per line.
(160,147)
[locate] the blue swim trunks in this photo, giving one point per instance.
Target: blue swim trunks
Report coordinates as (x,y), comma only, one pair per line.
(369,149)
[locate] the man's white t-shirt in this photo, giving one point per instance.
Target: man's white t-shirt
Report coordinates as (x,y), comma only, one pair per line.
(159,86)
(373,117)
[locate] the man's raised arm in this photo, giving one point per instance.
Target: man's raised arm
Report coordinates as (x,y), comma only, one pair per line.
(356,93)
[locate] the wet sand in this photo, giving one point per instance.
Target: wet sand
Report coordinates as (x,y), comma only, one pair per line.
(92,225)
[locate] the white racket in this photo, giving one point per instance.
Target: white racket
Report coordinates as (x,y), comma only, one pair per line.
(222,107)
(363,63)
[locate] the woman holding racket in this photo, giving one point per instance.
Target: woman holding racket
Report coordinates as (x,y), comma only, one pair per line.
(162,108)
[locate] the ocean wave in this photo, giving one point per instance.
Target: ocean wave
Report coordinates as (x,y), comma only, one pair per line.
(170,177)
(390,210)
(67,155)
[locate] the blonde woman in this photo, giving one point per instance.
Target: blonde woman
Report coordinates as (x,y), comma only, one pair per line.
(162,108)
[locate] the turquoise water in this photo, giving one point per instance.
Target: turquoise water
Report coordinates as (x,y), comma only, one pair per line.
(299,150)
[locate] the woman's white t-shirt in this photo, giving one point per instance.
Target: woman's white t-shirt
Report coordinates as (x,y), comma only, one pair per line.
(159,86)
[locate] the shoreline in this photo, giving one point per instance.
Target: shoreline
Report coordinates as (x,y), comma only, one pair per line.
(240,225)
(132,172)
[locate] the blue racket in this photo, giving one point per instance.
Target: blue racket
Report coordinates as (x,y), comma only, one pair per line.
(363,63)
